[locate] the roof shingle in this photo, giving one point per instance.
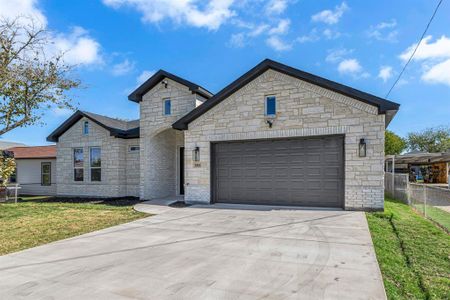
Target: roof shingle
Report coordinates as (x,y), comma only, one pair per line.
(34,152)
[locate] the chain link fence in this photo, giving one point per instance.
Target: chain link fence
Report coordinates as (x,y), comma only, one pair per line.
(433,202)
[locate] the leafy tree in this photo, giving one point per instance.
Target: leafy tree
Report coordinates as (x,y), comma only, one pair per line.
(394,144)
(7,167)
(430,140)
(31,80)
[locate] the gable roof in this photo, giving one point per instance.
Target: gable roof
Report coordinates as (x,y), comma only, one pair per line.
(117,128)
(137,94)
(383,105)
(34,152)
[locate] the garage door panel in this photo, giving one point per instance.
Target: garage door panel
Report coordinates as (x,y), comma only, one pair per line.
(293,171)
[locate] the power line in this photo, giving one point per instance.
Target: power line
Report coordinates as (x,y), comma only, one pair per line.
(415,49)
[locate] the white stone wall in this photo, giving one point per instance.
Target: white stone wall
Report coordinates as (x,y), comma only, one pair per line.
(303,109)
(118,179)
(159,142)
(132,168)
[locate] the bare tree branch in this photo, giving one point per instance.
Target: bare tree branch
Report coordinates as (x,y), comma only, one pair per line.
(30,82)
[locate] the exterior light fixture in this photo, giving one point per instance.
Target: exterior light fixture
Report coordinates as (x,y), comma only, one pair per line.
(362,148)
(196,154)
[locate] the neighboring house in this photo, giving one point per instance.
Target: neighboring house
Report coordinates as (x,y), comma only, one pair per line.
(35,169)
(276,135)
(8,144)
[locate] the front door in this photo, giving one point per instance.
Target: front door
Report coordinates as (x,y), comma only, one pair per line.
(181,176)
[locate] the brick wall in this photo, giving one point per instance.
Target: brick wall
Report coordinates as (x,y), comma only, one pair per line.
(303,109)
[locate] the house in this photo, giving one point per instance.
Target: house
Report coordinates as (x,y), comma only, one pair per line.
(276,135)
(35,169)
(422,166)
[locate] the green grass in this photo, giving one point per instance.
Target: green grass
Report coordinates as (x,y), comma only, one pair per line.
(438,215)
(413,253)
(39,220)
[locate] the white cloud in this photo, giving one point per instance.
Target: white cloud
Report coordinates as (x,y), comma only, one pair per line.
(276,7)
(123,68)
(211,15)
(146,74)
(11,9)
(281,28)
(313,36)
(237,40)
(427,50)
(349,66)
(384,31)
(61,112)
(385,73)
(352,67)
(337,55)
(78,46)
(258,30)
(331,16)
(435,59)
(277,44)
(439,73)
(331,34)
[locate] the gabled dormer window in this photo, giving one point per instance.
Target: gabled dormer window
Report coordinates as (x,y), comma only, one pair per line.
(167,107)
(86,128)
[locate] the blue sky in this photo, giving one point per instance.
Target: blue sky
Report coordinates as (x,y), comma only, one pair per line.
(116,44)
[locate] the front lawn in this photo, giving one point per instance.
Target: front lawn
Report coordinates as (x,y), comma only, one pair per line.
(39,220)
(413,253)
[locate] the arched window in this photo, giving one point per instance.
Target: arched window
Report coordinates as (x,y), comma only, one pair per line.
(86,128)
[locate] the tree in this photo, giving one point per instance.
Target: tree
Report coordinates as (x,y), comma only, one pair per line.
(31,80)
(7,167)
(393,144)
(430,140)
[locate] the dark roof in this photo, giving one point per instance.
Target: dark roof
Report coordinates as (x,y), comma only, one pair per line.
(34,152)
(137,94)
(117,128)
(383,105)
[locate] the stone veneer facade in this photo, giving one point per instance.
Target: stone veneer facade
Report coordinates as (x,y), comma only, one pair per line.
(120,167)
(303,109)
(159,142)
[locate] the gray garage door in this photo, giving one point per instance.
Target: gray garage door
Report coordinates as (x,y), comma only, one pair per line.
(304,172)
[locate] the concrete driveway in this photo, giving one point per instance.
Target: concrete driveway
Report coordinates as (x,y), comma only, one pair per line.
(214,252)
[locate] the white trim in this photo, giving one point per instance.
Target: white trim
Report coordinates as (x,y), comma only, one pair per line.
(90,166)
(266,97)
(73,165)
(164,107)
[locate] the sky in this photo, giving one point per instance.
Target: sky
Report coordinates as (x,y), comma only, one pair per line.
(115,45)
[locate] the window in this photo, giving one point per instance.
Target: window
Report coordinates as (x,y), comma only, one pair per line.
(271,109)
(13,177)
(95,164)
(167,107)
(46,173)
(86,128)
(78,164)
(134,148)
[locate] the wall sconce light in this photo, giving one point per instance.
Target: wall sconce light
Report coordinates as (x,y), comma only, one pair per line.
(362,148)
(196,154)
(270,123)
